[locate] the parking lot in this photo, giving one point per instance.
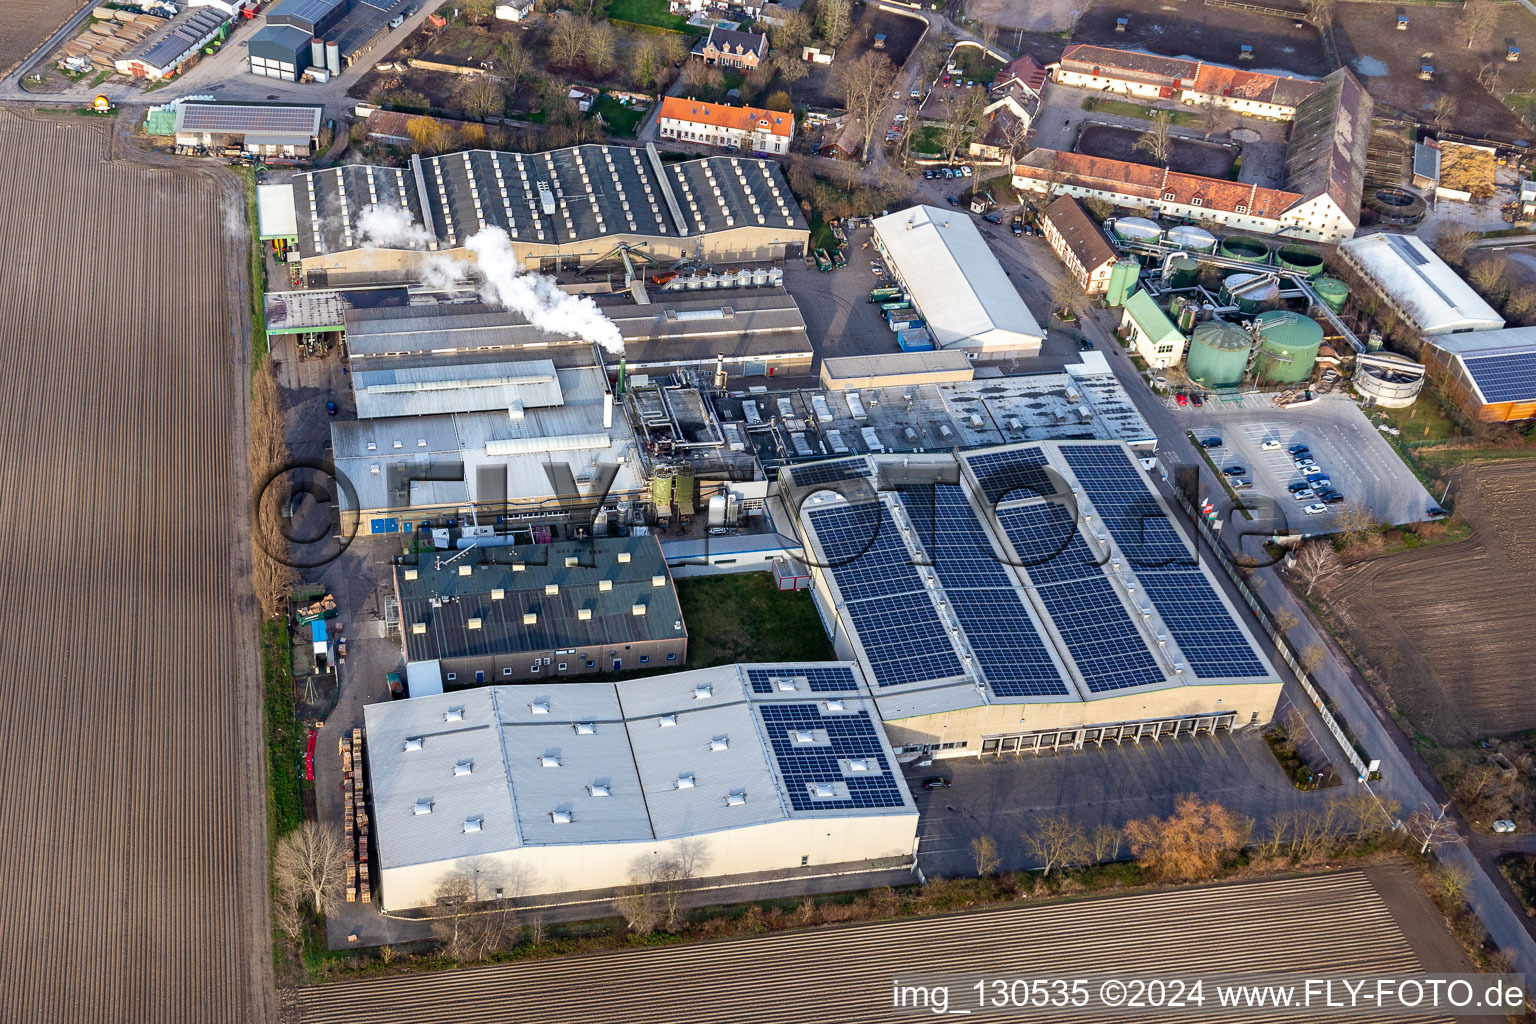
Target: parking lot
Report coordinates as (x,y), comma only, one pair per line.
(1004,796)
(1348,450)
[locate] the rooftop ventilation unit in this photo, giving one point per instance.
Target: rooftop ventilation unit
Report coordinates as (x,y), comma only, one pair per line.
(454,714)
(472,623)
(465,570)
(550,760)
(637,609)
(584,614)
(539,707)
(600,789)
(703,691)
(413,743)
(835,704)
(530,618)
(666,721)
(786,684)
(473,824)
(418,628)
(804,736)
(412,574)
(422,807)
(551,589)
(735,798)
(498,594)
(685,781)
(560,817)
(624,557)
(720,743)
(604,585)
(858,764)
(464,767)
(658,581)
(823,790)
(571,561)
(546,199)
(586,728)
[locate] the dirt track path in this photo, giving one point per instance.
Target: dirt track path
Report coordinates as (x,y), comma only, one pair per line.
(134,818)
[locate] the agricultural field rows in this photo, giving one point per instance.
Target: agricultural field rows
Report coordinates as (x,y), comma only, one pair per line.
(134,843)
(28,23)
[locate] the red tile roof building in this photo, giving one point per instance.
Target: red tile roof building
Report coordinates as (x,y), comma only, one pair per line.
(749,129)
(1151,77)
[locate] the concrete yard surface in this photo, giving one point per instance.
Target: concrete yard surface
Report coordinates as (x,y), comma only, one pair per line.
(1376,921)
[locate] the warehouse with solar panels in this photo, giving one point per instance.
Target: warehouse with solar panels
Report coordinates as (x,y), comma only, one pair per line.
(1024,597)
(1491,374)
(253,127)
(563,209)
(532,789)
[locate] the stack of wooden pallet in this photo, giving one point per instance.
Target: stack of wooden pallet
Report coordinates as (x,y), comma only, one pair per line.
(360,815)
(349,813)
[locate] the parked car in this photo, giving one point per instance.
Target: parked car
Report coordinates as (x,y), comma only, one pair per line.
(1305,494)
(1319,481)
(1436,512)
(928,174)
(992,218)
(1298,449)
(1504,825)
(1315,510)
(966,170)
(1301,486)
(1181,398)
(330,408)
(1268,445)
(945,80)
(1196,399)
(1330,497)
(1084,345)
(1241,483)
(397,21)
(916,93)
(948,173)
(936,782)
(970,83)
(953,200)
(1234,470)
(1210,442)
(1018,227)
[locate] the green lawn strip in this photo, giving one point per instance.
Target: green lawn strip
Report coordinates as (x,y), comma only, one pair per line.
(744,617)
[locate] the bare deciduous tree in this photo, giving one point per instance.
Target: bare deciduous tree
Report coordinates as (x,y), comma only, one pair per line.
(484,98)
(1488,274)
(1210,120)
(1189,844)
(1429,827)
(599,47)
(1311,658)
(1316,564)
(1157,140)
(1477,17)
(311,864)
(835,18)
(866,83)
(984,852)
(1057,842)
(965,116)
(1443,111)
(567,40)
(639,908)
(790,68)
(1106,840)
(512,64)
(1354,522)
(1285,621)
(1320,12)
(1452,245)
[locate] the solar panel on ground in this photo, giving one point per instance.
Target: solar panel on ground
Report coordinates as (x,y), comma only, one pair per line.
(849,737)
(834,679)
(1504,376)
(1009,650)
(1011,475)
(1099,634)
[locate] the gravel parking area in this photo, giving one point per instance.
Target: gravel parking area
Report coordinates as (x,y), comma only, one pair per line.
(1348,449)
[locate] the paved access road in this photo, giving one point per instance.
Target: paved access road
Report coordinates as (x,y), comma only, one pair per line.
(1374,921)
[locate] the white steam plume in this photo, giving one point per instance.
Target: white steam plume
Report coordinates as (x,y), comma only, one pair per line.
(503,281)
(390,227)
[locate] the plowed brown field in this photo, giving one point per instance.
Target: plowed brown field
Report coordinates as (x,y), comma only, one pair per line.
(1450,630)
(27,23)
(132,833)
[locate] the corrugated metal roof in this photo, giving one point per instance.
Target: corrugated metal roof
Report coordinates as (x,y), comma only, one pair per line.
(474,387)
(275,213)
(240,118)
(1431,294)
(955,281)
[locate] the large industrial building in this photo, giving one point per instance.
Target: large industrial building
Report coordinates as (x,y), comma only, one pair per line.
(263,129)
(966,300)
(1492,374)
(327,35)
(755,331)
(531,611)
(544,455)
(565,208)
(1419,285)
(535,789)
(1029,596)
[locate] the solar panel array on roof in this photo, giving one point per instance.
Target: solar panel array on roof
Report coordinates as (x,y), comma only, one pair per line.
(827,472)
(1503,376)
(829,761)
(903,636)
(1207,635)
(237,118)
(1008,648)
(1014,474)
(821,679)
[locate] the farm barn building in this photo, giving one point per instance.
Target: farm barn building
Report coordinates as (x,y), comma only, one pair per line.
(956,283)
(1492,374)
(254,128)
(1119,632)
(1079,243)
(536,788)
(1419,285)
(564,208)
(172,44)
(750,129)
(542,611)
(1152,77)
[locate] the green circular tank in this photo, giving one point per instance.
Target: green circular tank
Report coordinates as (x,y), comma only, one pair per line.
(1218,354)
(1249,292)
(1288,344)
(1183,272)
(1245,248)
(1300,259)
(1332,291)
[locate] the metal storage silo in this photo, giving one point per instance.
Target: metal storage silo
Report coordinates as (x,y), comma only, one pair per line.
(1123,277)
(1300,259)
(1332,291)
(1249,292)
(1182,272)
(1187,236)
(1136,229)
(333,57)
(1218,354)
(1245,248)
(317,52)
(1288,344)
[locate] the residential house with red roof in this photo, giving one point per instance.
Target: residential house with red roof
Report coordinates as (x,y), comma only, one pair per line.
(749,129)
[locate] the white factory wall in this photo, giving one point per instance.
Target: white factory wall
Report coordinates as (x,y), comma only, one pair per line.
(773,846)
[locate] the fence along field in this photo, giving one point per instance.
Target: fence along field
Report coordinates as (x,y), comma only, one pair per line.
(131,818)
